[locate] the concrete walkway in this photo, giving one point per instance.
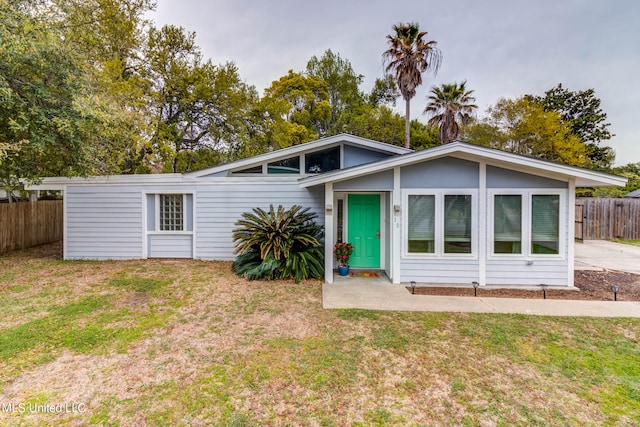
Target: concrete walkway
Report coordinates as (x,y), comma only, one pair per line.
(379,294)
(602,254)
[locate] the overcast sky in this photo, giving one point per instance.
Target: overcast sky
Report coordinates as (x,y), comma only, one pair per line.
(502,48)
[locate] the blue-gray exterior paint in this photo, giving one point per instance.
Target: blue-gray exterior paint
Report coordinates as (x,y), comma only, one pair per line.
(220,174)
(103,222)
(189,213)
(447,172)
(218,207)
(354,156)
(151,212)
(106,221)
(506,178)
(374,182)
(170,245)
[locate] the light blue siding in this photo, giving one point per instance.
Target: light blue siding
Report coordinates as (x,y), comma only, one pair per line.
(170,246)
(218,207)
(549,271)
(506,178)
(447,172)
(374,182)
(517,272)
(450,271)
(151,212)
(354,156)
(103,222)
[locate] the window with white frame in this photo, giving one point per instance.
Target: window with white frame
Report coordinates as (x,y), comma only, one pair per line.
(526,223)
(439,223)
(171,212)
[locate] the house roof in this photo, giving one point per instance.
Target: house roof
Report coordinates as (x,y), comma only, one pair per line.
(633,194)
(56,183)
(284,153)
(459,149)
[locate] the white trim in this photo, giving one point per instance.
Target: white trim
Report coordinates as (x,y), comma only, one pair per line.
(493,157)
(571,219)
(482,224)
(323,143)
(193,225)
(439,195)
(329,239)
(345,220)
(144,249)
(65,228)
(396,224)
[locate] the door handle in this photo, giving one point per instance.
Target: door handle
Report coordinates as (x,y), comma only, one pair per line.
(378,234)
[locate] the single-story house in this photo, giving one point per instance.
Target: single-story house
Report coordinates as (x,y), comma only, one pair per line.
(456,213)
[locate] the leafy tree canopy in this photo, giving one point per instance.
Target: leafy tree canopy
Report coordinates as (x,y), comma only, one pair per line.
(581,111)
(523,127)
(341,82)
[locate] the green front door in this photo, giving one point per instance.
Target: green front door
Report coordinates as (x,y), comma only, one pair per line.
(363,222)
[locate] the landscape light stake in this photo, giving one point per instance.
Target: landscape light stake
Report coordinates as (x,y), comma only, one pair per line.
(544,290)
(615,290)
(475,288)
(413,287)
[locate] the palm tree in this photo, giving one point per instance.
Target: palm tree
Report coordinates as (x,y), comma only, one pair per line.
(449,106)
(407,58)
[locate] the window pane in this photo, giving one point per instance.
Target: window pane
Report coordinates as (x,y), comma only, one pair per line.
(421,224)
(171,212)
(285,166)
(545,224)
(507,224)
(457,224)
(323,161)
(254,169)
(340,219)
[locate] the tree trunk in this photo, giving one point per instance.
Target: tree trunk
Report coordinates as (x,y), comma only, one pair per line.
(407,125)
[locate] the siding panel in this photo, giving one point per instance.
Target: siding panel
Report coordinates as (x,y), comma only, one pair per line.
(219,207)
(103,222)
(170,246)
(458,271)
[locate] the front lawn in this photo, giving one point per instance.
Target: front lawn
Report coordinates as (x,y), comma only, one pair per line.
(171,342)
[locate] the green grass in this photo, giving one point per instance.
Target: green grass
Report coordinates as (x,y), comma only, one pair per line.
(627,241)
(188,343)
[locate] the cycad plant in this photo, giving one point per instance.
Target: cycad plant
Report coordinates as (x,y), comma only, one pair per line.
(278,244)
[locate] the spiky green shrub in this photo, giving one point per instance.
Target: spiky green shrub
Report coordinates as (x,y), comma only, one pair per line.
(278,244)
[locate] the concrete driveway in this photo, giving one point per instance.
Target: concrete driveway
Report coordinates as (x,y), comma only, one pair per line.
(602,254)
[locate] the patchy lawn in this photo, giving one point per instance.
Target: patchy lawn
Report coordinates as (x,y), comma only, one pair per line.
(627,241)
(169,342)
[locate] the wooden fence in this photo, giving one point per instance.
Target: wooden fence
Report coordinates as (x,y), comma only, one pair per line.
(600,219)
(27,224)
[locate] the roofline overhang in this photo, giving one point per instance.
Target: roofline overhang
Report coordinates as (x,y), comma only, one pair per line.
(584,177)
(297,149)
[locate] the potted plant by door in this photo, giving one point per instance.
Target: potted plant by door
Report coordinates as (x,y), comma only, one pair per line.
(343,251)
